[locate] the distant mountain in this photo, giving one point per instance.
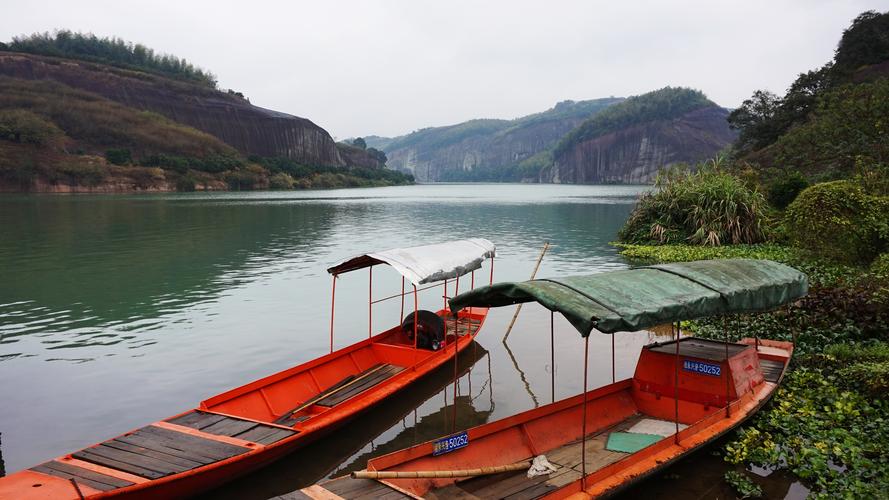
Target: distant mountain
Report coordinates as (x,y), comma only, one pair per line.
(485,149)
(631,141)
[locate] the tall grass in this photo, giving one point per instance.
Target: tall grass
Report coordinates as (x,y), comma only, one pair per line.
(701,206)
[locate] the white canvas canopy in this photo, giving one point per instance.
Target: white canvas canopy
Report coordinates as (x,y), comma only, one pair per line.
(427,263)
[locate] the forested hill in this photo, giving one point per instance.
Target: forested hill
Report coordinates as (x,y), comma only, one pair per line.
(611,140)
(831,122)
(632,141)
(102,114)
(486,149)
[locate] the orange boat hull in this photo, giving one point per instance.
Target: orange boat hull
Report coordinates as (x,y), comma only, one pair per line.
(746,379)
(236,432)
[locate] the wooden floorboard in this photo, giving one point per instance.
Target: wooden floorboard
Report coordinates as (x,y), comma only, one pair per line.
(183,462)
(360,386)
(229,427)
(155,445)
(83,476)
(210,448)
(197,420)
(771,370)
(89,456)
(566,459)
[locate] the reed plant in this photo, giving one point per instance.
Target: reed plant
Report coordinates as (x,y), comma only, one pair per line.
(702,205)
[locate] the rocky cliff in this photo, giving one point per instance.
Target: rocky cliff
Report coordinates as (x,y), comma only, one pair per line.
(485,150)
(249,129)
(635,154)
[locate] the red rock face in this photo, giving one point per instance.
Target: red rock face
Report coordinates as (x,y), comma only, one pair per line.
(249,129)
(634,155)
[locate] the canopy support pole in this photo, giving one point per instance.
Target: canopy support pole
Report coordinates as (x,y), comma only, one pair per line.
(613,379)
(416,308)
(552,353)
(728,407)
(370,301)
(445,294)
(332,304)
(492,271)
(586,360)
(471,287)
(456,336)
(402,299)
(676,383)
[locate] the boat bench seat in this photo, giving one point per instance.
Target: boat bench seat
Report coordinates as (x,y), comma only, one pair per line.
(343,390)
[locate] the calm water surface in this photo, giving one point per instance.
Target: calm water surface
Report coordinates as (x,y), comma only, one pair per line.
(116,311)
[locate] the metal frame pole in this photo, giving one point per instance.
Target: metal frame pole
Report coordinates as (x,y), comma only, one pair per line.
(552,353)
(332,305)
(676,383)
(728,402)
(370,301)
(416,309)
(492,271)
(613,379)
(445,295)
(586,359)
(401,317)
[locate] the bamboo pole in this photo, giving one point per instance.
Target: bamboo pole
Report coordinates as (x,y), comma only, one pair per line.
(439,474)
(533,274)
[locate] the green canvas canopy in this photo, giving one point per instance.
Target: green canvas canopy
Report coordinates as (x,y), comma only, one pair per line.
(647,296)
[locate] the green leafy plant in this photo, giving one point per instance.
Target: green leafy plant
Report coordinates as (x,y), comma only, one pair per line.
(840,221)
(743,486)
(706,206)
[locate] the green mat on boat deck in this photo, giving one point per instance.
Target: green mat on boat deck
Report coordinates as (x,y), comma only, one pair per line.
(630,442)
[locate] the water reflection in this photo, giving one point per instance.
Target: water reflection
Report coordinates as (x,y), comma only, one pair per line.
(184,296)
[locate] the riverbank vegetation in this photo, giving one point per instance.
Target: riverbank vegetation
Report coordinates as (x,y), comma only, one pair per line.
(805,185)
(109,50)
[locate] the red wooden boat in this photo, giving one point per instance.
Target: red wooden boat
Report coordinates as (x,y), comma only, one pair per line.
(245,428)
(603,440)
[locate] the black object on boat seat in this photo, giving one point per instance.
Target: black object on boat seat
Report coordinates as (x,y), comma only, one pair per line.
(430,329)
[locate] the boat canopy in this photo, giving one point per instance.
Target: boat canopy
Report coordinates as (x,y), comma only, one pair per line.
(427,263)
(647,296)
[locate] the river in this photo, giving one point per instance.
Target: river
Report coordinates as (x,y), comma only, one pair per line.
(119,310)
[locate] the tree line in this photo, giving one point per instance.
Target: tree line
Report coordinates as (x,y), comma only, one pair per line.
(109,50)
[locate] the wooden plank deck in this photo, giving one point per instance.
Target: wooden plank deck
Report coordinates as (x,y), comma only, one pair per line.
(513,485)
(150,452)
(463,326)
(771,370)
(221,425)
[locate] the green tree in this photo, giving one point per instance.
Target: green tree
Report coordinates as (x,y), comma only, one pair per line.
(359,143)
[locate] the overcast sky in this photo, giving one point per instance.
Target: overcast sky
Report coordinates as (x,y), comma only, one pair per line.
(391,67)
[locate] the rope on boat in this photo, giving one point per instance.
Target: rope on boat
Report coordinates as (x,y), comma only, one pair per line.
(439,474)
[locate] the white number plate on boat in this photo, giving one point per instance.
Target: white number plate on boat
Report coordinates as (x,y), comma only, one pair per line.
(450,443)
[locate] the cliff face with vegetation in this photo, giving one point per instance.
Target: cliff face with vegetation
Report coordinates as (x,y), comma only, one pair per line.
(632,141)
(636,153)
(249,129)
(485,150)
(80,113)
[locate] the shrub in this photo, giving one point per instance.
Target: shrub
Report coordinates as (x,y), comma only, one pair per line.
(785,188)
(838,220)
(880,266)
(119,156)
(281,181)
(704,207)
(25,127)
